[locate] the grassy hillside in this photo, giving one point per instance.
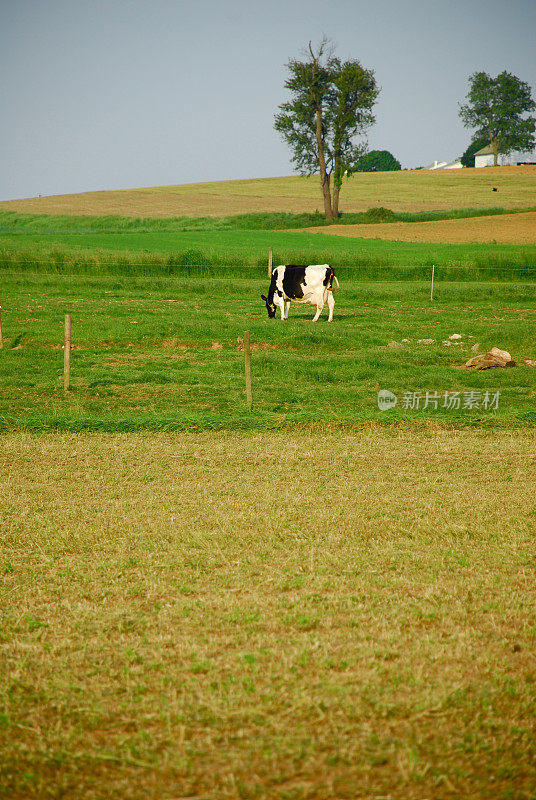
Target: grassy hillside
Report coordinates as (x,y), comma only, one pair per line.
(168,631)
(235,222)
(414,190)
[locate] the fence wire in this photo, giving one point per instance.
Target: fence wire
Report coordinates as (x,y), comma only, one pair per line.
(253,267)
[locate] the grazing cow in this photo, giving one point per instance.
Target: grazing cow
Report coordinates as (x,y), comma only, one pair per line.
(301,284)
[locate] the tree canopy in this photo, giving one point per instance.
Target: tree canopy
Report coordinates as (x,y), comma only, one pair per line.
(377,161)
(325,121)
(468,158)
(495,108)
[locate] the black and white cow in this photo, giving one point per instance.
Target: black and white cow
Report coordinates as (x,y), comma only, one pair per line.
(301,284)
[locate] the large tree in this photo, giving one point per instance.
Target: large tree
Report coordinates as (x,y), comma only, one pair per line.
(331,106)
(495,109)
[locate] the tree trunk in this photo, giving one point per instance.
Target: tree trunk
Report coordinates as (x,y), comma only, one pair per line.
(324,177)
(495,147)
(336,191)
(326,193)
(337,182)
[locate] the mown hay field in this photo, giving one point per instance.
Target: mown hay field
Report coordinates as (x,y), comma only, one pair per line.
(516,229)
(412,190)
(270,615)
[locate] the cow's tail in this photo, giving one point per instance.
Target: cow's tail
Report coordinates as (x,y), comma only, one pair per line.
(332,278)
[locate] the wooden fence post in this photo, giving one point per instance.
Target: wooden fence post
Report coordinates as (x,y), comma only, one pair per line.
(432,289)
(269,262)
(67,353)
(247,362)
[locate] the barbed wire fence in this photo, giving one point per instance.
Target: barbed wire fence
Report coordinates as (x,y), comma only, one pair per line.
(256,267)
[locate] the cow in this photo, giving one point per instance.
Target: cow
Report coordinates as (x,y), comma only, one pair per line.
(292,283)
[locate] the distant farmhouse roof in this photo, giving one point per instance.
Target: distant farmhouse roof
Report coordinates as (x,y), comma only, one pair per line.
(457,164)
(486,151)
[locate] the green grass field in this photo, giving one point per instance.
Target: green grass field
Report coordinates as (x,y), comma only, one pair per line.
(165,353)
(13,222)
(161,247)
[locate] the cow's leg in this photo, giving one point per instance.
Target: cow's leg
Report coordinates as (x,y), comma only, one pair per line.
(281,305)
(319,307)
(287,306)
(331,305)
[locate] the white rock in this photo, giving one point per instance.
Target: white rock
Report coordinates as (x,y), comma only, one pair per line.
(502,355)
(454,336)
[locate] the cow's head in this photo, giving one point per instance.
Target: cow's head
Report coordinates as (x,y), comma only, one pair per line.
(270,307)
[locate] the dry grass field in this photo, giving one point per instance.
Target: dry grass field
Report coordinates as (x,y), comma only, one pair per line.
(500,229)
(413,190)
(292,615)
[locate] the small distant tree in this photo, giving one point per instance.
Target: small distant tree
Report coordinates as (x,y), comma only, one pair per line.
(331,106)
(468,158)
(377,161)
(495,109)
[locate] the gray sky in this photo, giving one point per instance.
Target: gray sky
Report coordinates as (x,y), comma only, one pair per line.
(116,94)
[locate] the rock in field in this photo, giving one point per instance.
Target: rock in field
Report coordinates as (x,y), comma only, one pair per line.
(530,362)
(493,358)
(425,341)
(455,337)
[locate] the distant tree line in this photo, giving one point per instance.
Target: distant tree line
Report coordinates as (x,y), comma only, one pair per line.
(377,161)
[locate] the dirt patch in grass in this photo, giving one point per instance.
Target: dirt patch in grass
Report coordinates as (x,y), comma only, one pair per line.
(175,344)
(256,345)
(500,229)
(268,615)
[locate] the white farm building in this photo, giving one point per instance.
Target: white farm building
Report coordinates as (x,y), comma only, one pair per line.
(484,158)
(457,164)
